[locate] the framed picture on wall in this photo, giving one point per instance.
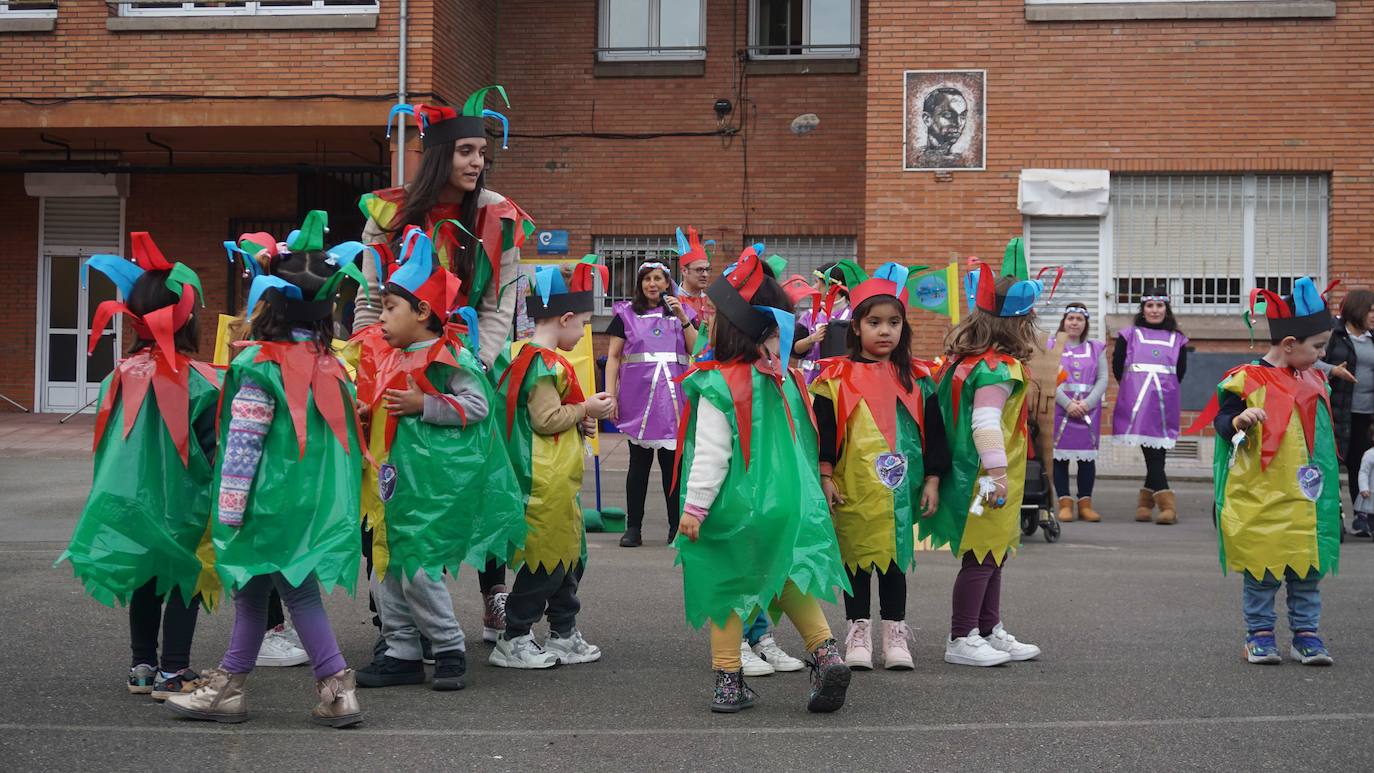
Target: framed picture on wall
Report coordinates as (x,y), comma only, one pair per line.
(944,120)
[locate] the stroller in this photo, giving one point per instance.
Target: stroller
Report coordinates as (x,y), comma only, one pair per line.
(1035,504)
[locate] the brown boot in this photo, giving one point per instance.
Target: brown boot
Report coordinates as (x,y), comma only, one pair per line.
(218,699)
(338,705)
(1086,511)
(1066,509)
(1167,513)
(1145,506)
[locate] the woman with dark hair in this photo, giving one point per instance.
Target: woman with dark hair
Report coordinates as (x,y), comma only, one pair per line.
(449,189)
(1078,411)
(1149,360)
(651,337)
(1351,353)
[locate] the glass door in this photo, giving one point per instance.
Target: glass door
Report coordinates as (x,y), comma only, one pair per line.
(71,379)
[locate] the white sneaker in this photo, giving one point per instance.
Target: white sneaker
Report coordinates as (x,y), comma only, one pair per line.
(572,650)
(1002,641)
(973,650)
(770,652)
(281,647)
(752,664)
(523,652)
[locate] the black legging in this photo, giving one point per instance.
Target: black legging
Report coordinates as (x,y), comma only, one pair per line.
(1087,476)
(1155,479)
(891,594)
(637,483)
(178,622)
(493,574)
(1359,443)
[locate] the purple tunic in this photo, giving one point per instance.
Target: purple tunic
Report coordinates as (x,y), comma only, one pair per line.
(655,354)
(1147,404)
(1076,439)
(812,321)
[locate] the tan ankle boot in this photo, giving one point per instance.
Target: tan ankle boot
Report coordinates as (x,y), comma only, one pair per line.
(1145,506)
(338,705)
(1066,509)
(218,699)
(1086,511)
(1167,513)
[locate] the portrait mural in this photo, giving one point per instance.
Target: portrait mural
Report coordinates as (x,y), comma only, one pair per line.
(944,117)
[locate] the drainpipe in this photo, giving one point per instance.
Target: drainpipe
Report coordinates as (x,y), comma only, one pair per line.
(401,98)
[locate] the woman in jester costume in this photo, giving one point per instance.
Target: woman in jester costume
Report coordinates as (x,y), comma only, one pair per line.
(288,431)
(143,539)
(1277,483)
(444,492)
(982,388)
(477,235)
(882,451)
(755,530)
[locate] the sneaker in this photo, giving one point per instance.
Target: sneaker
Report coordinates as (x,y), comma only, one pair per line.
(391,672)
(973,650)
(1309,650)
(572,649)
(896,655)
(494,613)
(769,651)
(1002,641)
(521,652)
(142,677)
(858,646)
(281,647)
(1261,648)
(732,695)
(167,685)
(829,679)
(1360,527)
(751,664)
(449,669)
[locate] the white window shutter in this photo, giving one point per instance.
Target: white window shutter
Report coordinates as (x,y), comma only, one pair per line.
(1071,242)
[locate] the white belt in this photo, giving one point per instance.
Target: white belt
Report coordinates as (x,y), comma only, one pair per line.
(664,357)
(1150,367)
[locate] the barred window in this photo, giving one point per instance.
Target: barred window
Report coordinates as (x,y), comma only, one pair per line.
(622,255)
(805,254)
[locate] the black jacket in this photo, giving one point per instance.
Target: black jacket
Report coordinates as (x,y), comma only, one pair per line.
(1338,351)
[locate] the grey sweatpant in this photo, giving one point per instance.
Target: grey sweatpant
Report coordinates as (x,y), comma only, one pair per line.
(415,606)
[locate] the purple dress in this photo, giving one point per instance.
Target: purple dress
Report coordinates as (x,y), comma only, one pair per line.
(812,321)
(1147,404)
(1077,439)
(655,354)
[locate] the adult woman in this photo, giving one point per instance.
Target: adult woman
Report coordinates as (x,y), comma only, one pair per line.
(1149,361)
(1352,390)
(650,338)
(1078,412)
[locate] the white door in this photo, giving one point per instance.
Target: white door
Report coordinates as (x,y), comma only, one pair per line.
(74,229)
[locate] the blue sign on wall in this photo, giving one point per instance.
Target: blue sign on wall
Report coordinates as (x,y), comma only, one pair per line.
(551,242)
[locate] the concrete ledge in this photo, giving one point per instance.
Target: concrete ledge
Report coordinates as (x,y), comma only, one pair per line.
(678,68)
(802,66)
(41,24)
(329,21)
(1240,9)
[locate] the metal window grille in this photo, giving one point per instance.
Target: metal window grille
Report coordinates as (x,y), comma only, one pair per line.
(1209,238)
(805,254)
(28,9)
(622,255)
(244,7)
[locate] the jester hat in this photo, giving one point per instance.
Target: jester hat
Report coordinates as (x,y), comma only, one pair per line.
(1019,299)
(551,296)
(892,279)
(262,253)
(158,325)
(1302,314)
(690,248)
(441,125)
(733,294)
(418,275)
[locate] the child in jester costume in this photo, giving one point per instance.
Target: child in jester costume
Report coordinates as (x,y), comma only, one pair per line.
(830,312)
(755,530)
(286,487)
(546,414)
(982,388)
(882,451)
(143,538)
(444,493)
(1277,480)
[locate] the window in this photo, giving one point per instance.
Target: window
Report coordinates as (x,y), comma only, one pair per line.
(28,9)
(1210,239)
(805,254)
(1074,244)
(816,29)
(246,8)
(623,254)
(651,29)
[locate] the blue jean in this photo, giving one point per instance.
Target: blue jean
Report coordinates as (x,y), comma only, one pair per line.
(757,630)
(1304,602)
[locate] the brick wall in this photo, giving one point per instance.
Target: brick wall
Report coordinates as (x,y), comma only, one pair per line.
(18,313)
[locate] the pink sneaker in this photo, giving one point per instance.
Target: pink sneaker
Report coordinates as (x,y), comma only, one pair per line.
(858,646)
(896,656)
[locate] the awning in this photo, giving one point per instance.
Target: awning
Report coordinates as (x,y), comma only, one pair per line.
(1063,192)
